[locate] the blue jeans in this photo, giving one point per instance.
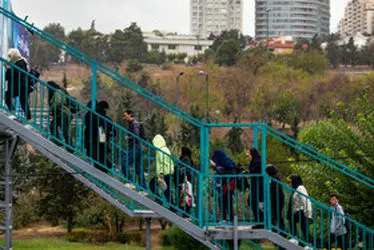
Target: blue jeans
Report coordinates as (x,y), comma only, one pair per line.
(137,165)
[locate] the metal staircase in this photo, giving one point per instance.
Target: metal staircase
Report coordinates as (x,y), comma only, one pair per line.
(206,222)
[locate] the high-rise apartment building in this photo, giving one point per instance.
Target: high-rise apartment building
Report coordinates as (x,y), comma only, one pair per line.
(215,16)
(358,18)
(296,18)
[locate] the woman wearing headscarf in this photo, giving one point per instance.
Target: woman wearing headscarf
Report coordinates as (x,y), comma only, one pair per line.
(106,132)
(277,198)
(96,133)
(183,180)
(223,165)
(256,199)
(299,208)
(17,82)
(60,113)
(162,181)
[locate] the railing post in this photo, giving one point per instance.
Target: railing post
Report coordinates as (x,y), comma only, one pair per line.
(200,208)
(94,86)
(204,176)
(255,136)
(267,212)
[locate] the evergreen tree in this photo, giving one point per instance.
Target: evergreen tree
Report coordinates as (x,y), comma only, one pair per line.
(234,140)
(333,50)
(65,81)
(152,125)
(126,102)
(58,201)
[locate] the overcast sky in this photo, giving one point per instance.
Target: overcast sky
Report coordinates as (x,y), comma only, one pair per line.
(165,15)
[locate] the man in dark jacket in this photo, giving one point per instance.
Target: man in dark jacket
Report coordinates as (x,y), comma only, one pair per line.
(256,200)
(134,153)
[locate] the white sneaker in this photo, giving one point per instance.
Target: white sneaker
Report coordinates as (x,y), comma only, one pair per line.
(293,241)
(308,248)
(129,185)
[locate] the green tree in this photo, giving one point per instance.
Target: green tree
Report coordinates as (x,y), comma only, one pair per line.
(367,54)
(62,196)
(65,81)
(135,47)
(350,53)
(227,53)
(315,43)
(333,50)
(155,57)
(300,41)
(43,53)
(90,42)
(254,59)
(312,62)
(134,66)
(234,141)
(126,102)
(233,35)
(190,134)
(349,142)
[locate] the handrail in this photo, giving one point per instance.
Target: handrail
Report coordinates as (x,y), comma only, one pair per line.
(322,205)
(102,68)
(320,157)
(193,172)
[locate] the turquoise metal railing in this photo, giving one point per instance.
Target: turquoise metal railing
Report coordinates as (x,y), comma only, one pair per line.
(111,155)
(204,195)
(316,229)
(97,67)
(315,155)
(215,204)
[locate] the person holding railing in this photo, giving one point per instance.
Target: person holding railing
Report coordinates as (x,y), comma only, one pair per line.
(299,209)
(18,84)
(134,153)
(225,186)
(277,200)
(164,169)
(95,139)
(256,198)
(338,230)
(60,112)
(106,133)
(183,181)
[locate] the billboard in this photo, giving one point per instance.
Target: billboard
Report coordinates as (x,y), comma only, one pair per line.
(13,35)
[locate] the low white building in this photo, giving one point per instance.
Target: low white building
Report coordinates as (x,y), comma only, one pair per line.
(174,44)
(359,40)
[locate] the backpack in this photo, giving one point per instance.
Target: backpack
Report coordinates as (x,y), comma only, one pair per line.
(347,223)
(142,133)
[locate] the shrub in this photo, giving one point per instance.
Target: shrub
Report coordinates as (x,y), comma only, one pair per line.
(138,239)
(123,238)
(180,240)
(80,235)
(87,236)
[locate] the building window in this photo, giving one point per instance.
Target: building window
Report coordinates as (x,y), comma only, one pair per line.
(198,47)
(172,47)
(155,46)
